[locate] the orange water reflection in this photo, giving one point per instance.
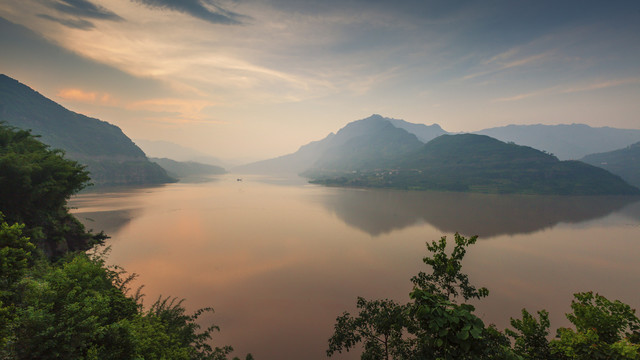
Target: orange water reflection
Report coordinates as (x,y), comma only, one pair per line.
(279,262)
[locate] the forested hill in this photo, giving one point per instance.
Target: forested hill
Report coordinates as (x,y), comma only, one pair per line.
(112,158)
(479,163)
(622,162)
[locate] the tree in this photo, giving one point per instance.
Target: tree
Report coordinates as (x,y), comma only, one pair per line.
(15,257)
(433,325)
(446,277)
(444,330)
(379,326)
(530,336)
(35,184)
(605,329)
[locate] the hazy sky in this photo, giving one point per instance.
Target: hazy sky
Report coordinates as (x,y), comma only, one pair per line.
(250,78)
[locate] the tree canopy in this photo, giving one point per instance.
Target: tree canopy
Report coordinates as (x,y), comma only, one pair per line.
(35,184)
(435,326)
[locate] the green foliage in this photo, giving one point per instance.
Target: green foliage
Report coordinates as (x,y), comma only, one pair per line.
(379,326)
(15,254)
(15,257)
(604,330)
(183,329)
(530,336)
(445,330)
(78,309)
(446,277)
(612,320)
(432,326)
(35,183)
(68,309)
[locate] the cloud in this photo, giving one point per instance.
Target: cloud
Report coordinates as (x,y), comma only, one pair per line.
(206,10)
(574,89)
(172,110)
(504,61)
(72,23)
(84,9)
(520,96)
(601,85)
(86,96)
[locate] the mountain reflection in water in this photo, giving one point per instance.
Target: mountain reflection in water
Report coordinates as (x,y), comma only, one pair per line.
(271,253)
(379,212)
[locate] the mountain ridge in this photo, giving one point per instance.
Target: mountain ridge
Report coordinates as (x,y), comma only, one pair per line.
(110,156)
(479,163)
(623,162)
(309,154)
(566,141)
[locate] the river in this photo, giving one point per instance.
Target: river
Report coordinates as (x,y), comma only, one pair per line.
(280,259)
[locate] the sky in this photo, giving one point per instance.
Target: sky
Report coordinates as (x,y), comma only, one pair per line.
(254,79)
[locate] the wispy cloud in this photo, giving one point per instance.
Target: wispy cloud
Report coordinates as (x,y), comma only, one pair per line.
(206,10)
(569,90)
(72,23)
(601,85)
(522,96)
(505,61)
(84,9)
(174,110)
(80,95)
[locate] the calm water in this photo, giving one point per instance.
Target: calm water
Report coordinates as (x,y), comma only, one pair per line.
(279,259)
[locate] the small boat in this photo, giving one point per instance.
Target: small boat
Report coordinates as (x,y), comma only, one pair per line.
(238,179)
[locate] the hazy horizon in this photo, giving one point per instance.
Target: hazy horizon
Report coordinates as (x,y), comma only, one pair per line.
(258,79)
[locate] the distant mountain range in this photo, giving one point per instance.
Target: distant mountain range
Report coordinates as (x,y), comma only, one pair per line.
(567,142)
(479,163)
(110,156)
(382,152)
(363,141)
(187,169)
(622,162)
(173,151)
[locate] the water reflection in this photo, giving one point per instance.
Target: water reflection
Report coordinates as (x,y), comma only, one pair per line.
(379,212)
(111,222)
(279,260)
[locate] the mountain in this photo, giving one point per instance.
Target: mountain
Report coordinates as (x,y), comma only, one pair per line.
(173,151)
(293,163)
(425,133)
(187,169)
(623,162)
(479,163)
(368,142)
(373,145)
(565,141)
(110,156)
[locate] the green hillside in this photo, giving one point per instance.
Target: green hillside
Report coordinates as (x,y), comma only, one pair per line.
(110,156)
(186,169)
(479,163)
(623,162)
